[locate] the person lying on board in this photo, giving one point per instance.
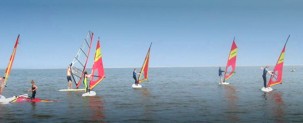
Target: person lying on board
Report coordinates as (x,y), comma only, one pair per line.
(135,76)
(265,71)
(68,76)
(221,74)
(33,89)
(86,75)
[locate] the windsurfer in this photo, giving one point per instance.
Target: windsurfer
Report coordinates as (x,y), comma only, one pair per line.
(265,71)
(68,75)
(221,74)
(135,76)
(33,89)
(86,75)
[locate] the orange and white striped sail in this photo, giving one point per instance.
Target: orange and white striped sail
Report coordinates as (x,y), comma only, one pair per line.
(276,78)
(97,70)
(231,62)
(11,61)
(143,76)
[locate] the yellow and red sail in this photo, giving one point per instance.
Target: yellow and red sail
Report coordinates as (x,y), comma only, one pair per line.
(11,61)
(97,70)
(276,78)
(231,62)
(143,76)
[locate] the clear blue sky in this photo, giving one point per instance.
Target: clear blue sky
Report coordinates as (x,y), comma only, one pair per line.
(185,33)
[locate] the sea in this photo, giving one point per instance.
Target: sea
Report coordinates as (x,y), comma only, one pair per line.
(170,95)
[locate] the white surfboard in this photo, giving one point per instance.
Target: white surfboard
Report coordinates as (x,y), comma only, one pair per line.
(72,90)
(89,94)
(137,86)
(4,100)
(268,89)
(224,83)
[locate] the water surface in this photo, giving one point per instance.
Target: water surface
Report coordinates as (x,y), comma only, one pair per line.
(171,95)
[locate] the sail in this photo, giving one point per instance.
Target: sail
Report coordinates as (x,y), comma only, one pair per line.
(276,78)
(231,62)
(11,61)
(78,65)
(143,76)
(97,70)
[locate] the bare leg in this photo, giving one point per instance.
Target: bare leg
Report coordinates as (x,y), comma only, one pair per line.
(69,85)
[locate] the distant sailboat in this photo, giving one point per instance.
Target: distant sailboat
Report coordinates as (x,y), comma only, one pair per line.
(231,63)
(143,76)
(97,74)
(8,71)
(78,65)
(276,78)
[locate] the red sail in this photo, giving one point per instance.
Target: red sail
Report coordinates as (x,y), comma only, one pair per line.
(11,61)
(231,62)
(97,69)
(276,78)
(143,76)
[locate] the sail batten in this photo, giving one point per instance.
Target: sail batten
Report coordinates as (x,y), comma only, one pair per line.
(84,52)
(231,61)
(276,78)
(79,62)
(143,76)
(86,42)
(98,73)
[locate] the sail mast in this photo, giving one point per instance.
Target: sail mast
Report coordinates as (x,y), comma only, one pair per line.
(11,61)
(231,61)
(144,69)
(276,78)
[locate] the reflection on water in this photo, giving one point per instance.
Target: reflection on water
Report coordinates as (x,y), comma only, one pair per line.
(231,97)
(33,104)
(145,104)
(276,105)
(96,108)
(145,92)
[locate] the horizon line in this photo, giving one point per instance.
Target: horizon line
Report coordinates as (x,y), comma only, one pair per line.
(164,67)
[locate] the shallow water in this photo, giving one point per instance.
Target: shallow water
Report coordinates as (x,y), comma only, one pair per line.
(171,95)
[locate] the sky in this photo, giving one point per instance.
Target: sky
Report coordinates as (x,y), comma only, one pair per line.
(185,33)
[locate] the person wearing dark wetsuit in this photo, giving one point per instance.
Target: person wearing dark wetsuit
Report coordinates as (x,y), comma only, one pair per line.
(68,76)
(33,89)
(221,74)
(265,71)
(135,76)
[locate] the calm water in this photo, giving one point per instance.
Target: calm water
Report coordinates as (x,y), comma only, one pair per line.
(171,95)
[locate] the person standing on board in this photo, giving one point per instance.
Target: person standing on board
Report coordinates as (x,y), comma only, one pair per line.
(265,71)
(33,89)
(1,84)
(85,81)
(68,76)
(221,74)
(135,76)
